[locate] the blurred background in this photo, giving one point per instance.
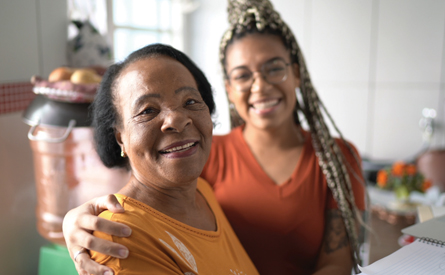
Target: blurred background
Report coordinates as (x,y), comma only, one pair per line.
(378,66)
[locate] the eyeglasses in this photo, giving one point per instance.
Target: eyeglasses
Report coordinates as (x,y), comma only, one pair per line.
(273,71)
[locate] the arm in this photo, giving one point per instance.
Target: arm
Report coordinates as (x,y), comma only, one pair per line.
(335,253)
(78,225)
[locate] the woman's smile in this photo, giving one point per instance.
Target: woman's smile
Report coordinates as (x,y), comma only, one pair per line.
(180,149)
(265,106)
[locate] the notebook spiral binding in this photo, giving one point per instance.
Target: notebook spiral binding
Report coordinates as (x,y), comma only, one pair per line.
(433,242)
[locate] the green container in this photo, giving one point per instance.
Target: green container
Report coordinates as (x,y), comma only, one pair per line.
(55,260)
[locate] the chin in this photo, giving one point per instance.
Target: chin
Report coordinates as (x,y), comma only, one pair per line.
(185,173)
(266,124)
(184,179)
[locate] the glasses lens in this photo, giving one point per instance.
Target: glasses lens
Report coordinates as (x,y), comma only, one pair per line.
(241,79)
(275,71)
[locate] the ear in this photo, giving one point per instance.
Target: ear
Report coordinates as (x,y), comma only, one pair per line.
(296,74)
(118,136)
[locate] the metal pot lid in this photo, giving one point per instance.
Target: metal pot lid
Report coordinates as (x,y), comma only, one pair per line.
(48,112)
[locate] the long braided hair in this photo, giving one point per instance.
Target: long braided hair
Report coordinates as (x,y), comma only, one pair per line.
(259,16)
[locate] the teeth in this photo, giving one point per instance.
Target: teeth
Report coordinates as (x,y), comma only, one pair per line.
(265,104)
(179,148)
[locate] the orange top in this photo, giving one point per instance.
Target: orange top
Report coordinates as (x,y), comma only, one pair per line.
(280,226)
(161,245)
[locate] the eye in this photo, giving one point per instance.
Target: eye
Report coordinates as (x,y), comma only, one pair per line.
(241,77)
(190,102)
(148,111)
(275,70)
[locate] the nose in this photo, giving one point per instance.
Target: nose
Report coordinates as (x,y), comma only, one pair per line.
(259,83)
(175,121)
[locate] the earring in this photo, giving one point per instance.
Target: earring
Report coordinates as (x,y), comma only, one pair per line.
(123,153)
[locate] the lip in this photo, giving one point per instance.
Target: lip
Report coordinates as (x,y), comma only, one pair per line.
(266,111)
(180,153)
(264,100)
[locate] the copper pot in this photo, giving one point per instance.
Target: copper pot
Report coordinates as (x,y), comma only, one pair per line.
(68,171)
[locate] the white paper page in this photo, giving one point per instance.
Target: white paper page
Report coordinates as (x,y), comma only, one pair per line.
(417,258)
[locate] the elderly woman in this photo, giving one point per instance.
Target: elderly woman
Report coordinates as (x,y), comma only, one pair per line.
(152,115)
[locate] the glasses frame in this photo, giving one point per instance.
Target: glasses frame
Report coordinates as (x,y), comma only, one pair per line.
(263,74)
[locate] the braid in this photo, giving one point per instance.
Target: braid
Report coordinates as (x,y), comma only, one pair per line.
(250,16)
(330,157)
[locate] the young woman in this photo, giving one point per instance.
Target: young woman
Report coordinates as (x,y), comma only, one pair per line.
(293,196)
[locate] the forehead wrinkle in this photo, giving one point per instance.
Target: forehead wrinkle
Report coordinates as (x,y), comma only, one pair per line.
(132,78)
(186,88)
(135,80)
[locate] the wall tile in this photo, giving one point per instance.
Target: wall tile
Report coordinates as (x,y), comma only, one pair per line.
(410,40)
(439,137)
(398,109)
(15,97)
(293,13)
(348,107)
(439,134)
(17,199)
(340,40)
(53,35)
(19,43)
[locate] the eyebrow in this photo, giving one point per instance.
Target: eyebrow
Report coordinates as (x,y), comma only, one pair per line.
(186,88)
(140,100)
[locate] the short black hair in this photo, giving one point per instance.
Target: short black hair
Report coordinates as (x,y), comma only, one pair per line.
(105,115)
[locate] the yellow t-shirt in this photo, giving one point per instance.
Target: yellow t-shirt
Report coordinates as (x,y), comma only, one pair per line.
(161,245)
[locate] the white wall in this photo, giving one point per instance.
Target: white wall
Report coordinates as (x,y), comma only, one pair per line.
(375,64)
(32,42)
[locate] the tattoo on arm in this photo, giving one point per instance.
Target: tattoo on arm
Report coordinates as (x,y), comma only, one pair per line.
(335,236)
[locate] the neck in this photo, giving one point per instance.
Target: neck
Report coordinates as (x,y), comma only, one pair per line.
(173,201)
(285,136)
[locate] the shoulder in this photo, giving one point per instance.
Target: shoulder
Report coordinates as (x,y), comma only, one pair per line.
(234,135)
(225,146)
(353,165)
(348,149)
(135,212)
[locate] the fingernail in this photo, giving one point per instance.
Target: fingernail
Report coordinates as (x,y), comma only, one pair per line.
(118,206)
(126,231)
(123,253)
(108,272)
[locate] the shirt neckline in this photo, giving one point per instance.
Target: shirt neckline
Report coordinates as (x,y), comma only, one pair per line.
(175,223)
(239,132)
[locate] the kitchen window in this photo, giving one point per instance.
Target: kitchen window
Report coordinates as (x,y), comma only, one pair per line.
(133,24)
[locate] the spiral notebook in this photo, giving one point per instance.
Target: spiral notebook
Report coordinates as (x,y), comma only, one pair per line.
(424,256)
(433,229)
